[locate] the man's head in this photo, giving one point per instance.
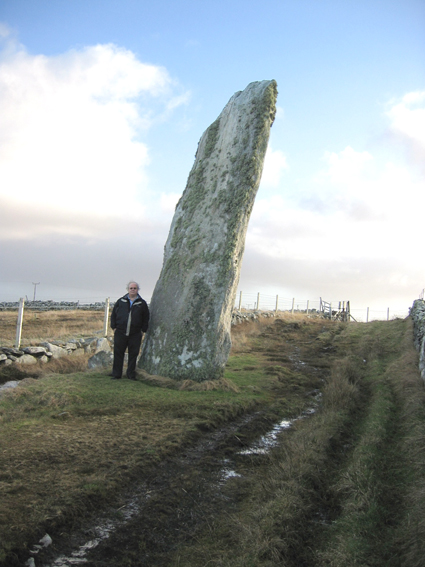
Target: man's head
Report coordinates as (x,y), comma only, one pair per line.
(133,289)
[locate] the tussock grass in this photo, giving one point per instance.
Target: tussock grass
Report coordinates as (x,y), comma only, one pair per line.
(379,522)
(281,496)
(222,384)
(346,487)
(65,365)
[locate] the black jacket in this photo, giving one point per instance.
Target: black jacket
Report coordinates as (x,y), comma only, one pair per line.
(132,320)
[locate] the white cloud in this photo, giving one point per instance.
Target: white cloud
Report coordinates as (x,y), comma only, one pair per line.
(274,165)
(346,166)
(407,125)
(169,201)
(71,125)
(358,220)
(408,117)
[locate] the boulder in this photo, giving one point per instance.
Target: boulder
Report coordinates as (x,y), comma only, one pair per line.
(57,351)
(102,345)
(101,359)
(191,306)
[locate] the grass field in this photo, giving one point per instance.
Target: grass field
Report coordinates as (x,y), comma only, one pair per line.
(344,487)
(39,326)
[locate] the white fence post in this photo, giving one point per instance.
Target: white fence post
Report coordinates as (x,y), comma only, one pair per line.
(105,320)
(19,323)
(367,315)
(240,300)
(258,301)
(308,303)
(277,302)
(293,303)
(388,313)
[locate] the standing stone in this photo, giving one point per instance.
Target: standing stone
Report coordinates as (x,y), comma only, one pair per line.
(191,307)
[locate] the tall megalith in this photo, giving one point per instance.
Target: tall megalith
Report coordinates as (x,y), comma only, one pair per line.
(191,306)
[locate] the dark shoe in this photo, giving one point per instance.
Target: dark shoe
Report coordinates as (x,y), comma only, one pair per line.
(132,378)
(116,378)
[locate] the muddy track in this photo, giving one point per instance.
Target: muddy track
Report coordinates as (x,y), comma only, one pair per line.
(181,496)
(186,492)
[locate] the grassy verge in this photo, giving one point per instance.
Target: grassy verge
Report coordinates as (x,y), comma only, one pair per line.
(346,487)
(377,524)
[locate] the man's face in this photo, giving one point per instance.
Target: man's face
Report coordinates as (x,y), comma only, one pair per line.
(132,290)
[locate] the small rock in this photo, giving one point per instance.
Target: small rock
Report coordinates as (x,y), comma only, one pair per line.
(57,351)
(46,540)
(26,359)
(34,350)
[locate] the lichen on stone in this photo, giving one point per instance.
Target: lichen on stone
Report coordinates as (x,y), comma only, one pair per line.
(195,294)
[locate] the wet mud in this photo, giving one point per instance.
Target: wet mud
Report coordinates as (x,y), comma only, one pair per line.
(180,498)
(183,494)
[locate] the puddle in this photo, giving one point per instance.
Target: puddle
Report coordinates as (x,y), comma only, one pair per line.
(101,533)
(108,527)
(227,472)
(269,440)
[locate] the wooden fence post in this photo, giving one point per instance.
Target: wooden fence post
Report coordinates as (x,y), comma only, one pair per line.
(19,323)
(105,320)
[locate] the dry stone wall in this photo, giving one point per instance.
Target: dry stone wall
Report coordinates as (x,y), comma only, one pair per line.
(417,313)
(55,305)
(100,349)
(46,351)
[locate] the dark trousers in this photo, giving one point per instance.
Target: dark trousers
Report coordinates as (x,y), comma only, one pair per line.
(121,343)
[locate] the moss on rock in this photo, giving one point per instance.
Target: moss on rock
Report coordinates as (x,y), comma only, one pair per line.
(189,336)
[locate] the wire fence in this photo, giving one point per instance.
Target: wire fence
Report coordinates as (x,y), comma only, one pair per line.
(244,301)
(262,302)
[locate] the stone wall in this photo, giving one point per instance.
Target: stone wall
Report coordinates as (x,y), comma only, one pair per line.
(46,351)
(417,313)
(55,305)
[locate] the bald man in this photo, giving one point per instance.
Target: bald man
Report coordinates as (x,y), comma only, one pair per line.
(129,320)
